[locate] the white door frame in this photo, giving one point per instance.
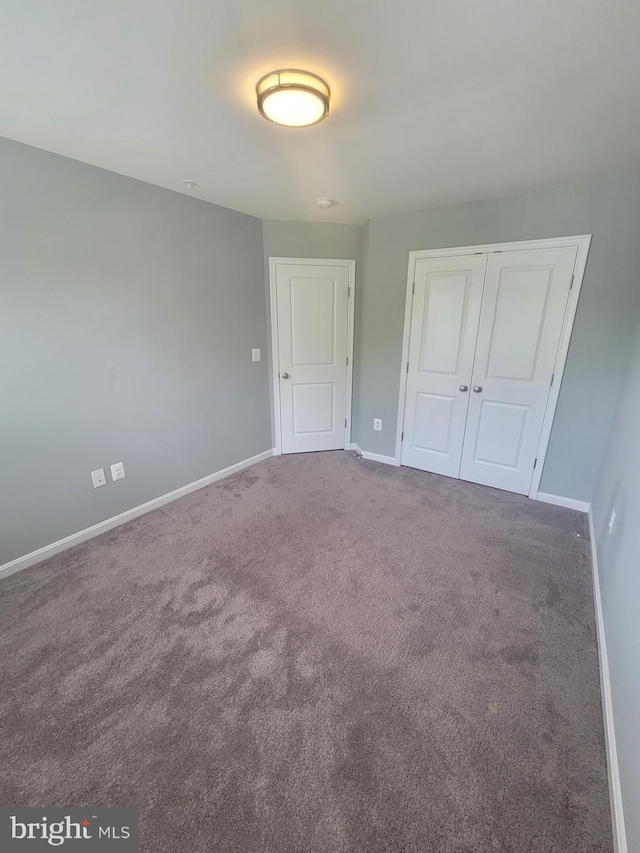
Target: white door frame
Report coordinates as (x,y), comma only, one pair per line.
(275,358)
(581,243)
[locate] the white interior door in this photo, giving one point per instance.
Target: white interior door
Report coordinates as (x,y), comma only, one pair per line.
(444,326)
(312,341)
(523,308)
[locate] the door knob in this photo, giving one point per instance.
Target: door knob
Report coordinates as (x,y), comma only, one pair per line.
(285,375)
(464,387)
(477,388)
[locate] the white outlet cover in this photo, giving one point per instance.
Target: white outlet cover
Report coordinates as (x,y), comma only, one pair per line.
(256,355)
(98,478)
(117,471)
(377,424)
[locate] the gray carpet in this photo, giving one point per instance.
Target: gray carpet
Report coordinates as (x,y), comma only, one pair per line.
(317,654)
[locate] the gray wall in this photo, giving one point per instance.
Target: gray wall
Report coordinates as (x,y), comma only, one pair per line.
(603,331)
(311,240)
(128,314)
(619,567)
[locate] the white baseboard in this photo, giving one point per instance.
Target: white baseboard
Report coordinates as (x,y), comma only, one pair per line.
(375,457)
(615,790)
(102,526)
(558,500)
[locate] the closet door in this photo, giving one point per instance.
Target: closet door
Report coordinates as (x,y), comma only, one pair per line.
(444,325)
(523,307)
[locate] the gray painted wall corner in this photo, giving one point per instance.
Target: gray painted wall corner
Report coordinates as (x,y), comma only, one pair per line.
(619,570)
(129,315)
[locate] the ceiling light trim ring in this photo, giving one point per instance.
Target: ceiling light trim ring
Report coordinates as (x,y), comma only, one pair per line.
(322,92)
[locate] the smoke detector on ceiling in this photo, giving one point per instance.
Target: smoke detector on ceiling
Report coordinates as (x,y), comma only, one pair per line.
(325,203)
(189,184)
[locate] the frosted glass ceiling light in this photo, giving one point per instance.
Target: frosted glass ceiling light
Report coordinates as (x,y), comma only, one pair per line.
(293,98)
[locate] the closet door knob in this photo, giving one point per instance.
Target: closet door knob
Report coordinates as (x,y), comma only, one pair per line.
(477,388)
(285,375)
(464,387)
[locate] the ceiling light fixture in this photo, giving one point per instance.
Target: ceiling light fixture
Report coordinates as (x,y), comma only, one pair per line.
(324,202)
(293,98)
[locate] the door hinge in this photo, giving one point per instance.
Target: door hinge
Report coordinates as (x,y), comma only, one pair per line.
(345,421)
(402,437)
(407,367)
(553,376)
(348,292)
(413,288)
(572,278)
(535,462)
(347,361)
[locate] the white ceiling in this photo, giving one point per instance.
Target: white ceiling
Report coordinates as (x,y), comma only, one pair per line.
(433,102)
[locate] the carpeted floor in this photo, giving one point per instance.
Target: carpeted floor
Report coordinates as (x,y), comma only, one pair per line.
(319,654)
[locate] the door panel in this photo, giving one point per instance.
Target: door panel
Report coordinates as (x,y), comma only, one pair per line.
(525,298)
(444,312)
(444,324)
(312,308)
(500,432)
(521,303)
(432,423)
(313,407)
(313,313)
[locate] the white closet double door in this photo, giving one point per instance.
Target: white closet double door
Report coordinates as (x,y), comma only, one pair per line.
(484,336)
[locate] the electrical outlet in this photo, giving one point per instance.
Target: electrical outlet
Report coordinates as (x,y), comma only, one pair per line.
(117,471)
(612,520)
(256,355)
(98,478)
(377,424)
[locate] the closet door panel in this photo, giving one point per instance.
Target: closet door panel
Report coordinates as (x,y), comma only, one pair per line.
(524,303)
(444,322)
